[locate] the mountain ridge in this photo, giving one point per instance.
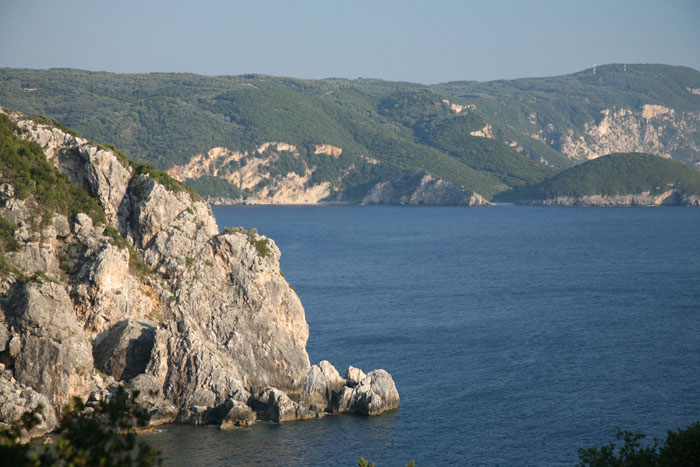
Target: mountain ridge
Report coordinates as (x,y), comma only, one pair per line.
(487,137)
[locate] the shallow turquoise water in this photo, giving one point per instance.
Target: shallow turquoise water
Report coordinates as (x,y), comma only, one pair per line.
(515,335)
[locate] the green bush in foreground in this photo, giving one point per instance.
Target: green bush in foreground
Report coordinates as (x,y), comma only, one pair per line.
(104,437)
(680,448)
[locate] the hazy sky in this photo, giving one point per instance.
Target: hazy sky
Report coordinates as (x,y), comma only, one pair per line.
(419,41)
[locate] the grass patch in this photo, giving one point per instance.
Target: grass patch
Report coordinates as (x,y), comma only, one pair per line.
(262,245)
(6,268)
(23,164)
(7,235)
(136,264)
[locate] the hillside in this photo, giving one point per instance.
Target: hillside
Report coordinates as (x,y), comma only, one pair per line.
(616,179)
(616,108)
(341,138)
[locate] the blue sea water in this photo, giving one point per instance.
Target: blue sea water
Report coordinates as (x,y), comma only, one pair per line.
(515,334)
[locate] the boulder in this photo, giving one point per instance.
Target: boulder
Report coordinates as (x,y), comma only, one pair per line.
(124,350)
(376,393)
(51,352)
(16,399)
(163,414)
(239,415)
(274,405)
(322,385)
(353,376)
(149,388)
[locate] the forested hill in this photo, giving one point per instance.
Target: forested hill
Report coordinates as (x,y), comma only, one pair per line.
(614,175)
(343,137)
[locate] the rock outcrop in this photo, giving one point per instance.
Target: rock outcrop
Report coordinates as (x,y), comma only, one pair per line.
(368,394)
(155,300)
(420,188)
(667,198)
(653,129)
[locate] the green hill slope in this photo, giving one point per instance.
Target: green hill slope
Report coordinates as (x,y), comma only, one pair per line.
(615,174)
(487,137)
(550,108)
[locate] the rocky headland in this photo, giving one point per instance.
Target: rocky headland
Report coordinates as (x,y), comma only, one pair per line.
(151,296)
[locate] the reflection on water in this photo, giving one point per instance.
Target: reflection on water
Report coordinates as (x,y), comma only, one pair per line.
(333,440)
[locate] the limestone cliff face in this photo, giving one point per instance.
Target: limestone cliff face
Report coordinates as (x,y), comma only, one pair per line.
(250,172)
(419,188)
(161,293)
(654,129)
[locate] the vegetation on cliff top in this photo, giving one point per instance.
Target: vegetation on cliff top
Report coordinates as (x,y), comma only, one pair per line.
(615,174)
(24,166)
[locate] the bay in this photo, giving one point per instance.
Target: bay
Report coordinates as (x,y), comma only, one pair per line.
(515,334)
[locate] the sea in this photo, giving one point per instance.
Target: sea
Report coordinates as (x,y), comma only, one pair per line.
(515,335)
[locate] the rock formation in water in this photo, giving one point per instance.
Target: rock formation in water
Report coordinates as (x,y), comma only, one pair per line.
(420,188)
(155,299)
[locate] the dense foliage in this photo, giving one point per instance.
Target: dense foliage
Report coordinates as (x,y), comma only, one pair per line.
(680,449)
(103,435)
(214,187)
(24,166)
(165,119)
(615,174)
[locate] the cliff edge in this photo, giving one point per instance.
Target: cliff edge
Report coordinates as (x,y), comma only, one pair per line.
(121,278)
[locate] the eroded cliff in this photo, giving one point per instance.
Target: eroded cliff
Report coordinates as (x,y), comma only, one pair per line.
(149,294)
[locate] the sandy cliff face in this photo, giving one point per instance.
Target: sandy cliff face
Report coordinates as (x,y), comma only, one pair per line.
(250,172)
(654,129)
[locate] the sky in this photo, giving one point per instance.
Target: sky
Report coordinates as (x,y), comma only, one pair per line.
(418,41)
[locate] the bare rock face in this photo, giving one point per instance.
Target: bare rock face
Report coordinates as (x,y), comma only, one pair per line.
(375,393)
(239,324)
(274,405)
(653,129)
(322,382)
(239,415)
(420,188)
(155,301)
(51,352)
(16,399)
(124,351)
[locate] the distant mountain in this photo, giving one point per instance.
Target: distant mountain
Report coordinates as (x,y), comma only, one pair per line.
(273,139)
(616,179)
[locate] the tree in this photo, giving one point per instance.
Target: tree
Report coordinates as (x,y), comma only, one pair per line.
(680,449)
(103,435)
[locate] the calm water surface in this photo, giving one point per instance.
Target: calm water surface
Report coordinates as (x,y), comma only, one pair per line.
(515,335)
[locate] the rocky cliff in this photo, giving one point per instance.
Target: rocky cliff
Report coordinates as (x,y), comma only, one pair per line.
(256,173)
(420,188)
(148,294)
(652,129)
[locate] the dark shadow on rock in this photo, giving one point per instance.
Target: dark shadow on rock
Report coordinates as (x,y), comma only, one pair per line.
(124,350)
